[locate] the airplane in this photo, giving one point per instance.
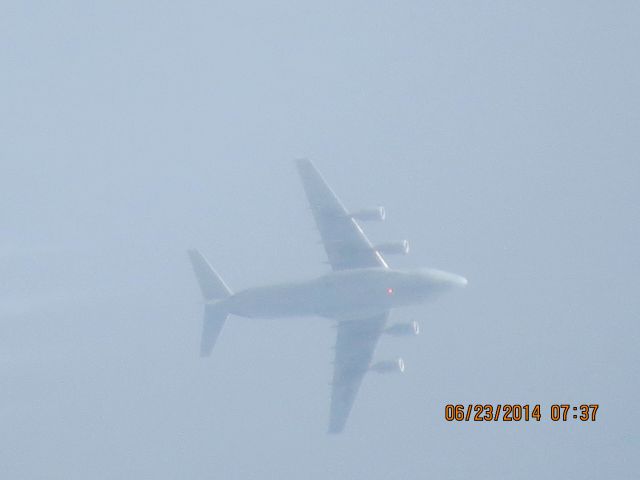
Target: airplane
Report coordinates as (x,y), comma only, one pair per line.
(358,293)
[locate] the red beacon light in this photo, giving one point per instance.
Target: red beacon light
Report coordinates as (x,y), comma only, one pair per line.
(389,291)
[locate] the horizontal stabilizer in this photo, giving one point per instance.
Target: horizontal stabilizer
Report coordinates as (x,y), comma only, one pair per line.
(213,321)
(211,285)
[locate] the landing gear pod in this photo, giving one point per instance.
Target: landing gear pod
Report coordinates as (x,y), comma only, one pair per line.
(394,248)
(369,214)
(401,329)
(389,366)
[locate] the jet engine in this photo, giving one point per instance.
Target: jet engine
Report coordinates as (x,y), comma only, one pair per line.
(394,248)
(389,366)
(369,214)
(409,328)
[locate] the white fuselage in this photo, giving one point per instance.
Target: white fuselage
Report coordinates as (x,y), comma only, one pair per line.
(342,293)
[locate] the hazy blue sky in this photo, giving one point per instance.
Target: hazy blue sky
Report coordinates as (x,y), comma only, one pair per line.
(502,137)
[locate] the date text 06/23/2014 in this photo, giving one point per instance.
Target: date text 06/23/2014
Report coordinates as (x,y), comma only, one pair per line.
(515,412)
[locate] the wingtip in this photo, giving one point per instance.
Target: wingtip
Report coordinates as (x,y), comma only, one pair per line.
(336,425)
(303,163)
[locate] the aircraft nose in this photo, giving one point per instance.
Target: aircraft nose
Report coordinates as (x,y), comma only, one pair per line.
(457,280)
(446,279)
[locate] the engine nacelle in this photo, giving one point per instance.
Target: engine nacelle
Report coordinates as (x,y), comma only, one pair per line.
(369,214)
(394,248)
(389,366)
(409,328)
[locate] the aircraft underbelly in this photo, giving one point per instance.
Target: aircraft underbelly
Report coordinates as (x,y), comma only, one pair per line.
(311,298)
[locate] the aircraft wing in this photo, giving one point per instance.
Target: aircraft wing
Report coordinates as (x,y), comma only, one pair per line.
(344,241)
(355,345)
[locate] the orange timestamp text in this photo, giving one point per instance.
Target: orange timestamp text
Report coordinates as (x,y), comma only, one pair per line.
(516,412)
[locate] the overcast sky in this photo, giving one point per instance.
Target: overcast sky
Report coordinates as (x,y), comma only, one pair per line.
(502,138)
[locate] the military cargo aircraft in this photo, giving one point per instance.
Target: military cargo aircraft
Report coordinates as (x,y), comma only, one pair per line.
(358,293)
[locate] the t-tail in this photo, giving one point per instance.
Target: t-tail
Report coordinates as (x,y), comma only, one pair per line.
(214,290)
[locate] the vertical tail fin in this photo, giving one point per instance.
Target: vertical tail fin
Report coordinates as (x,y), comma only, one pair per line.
(213,288)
